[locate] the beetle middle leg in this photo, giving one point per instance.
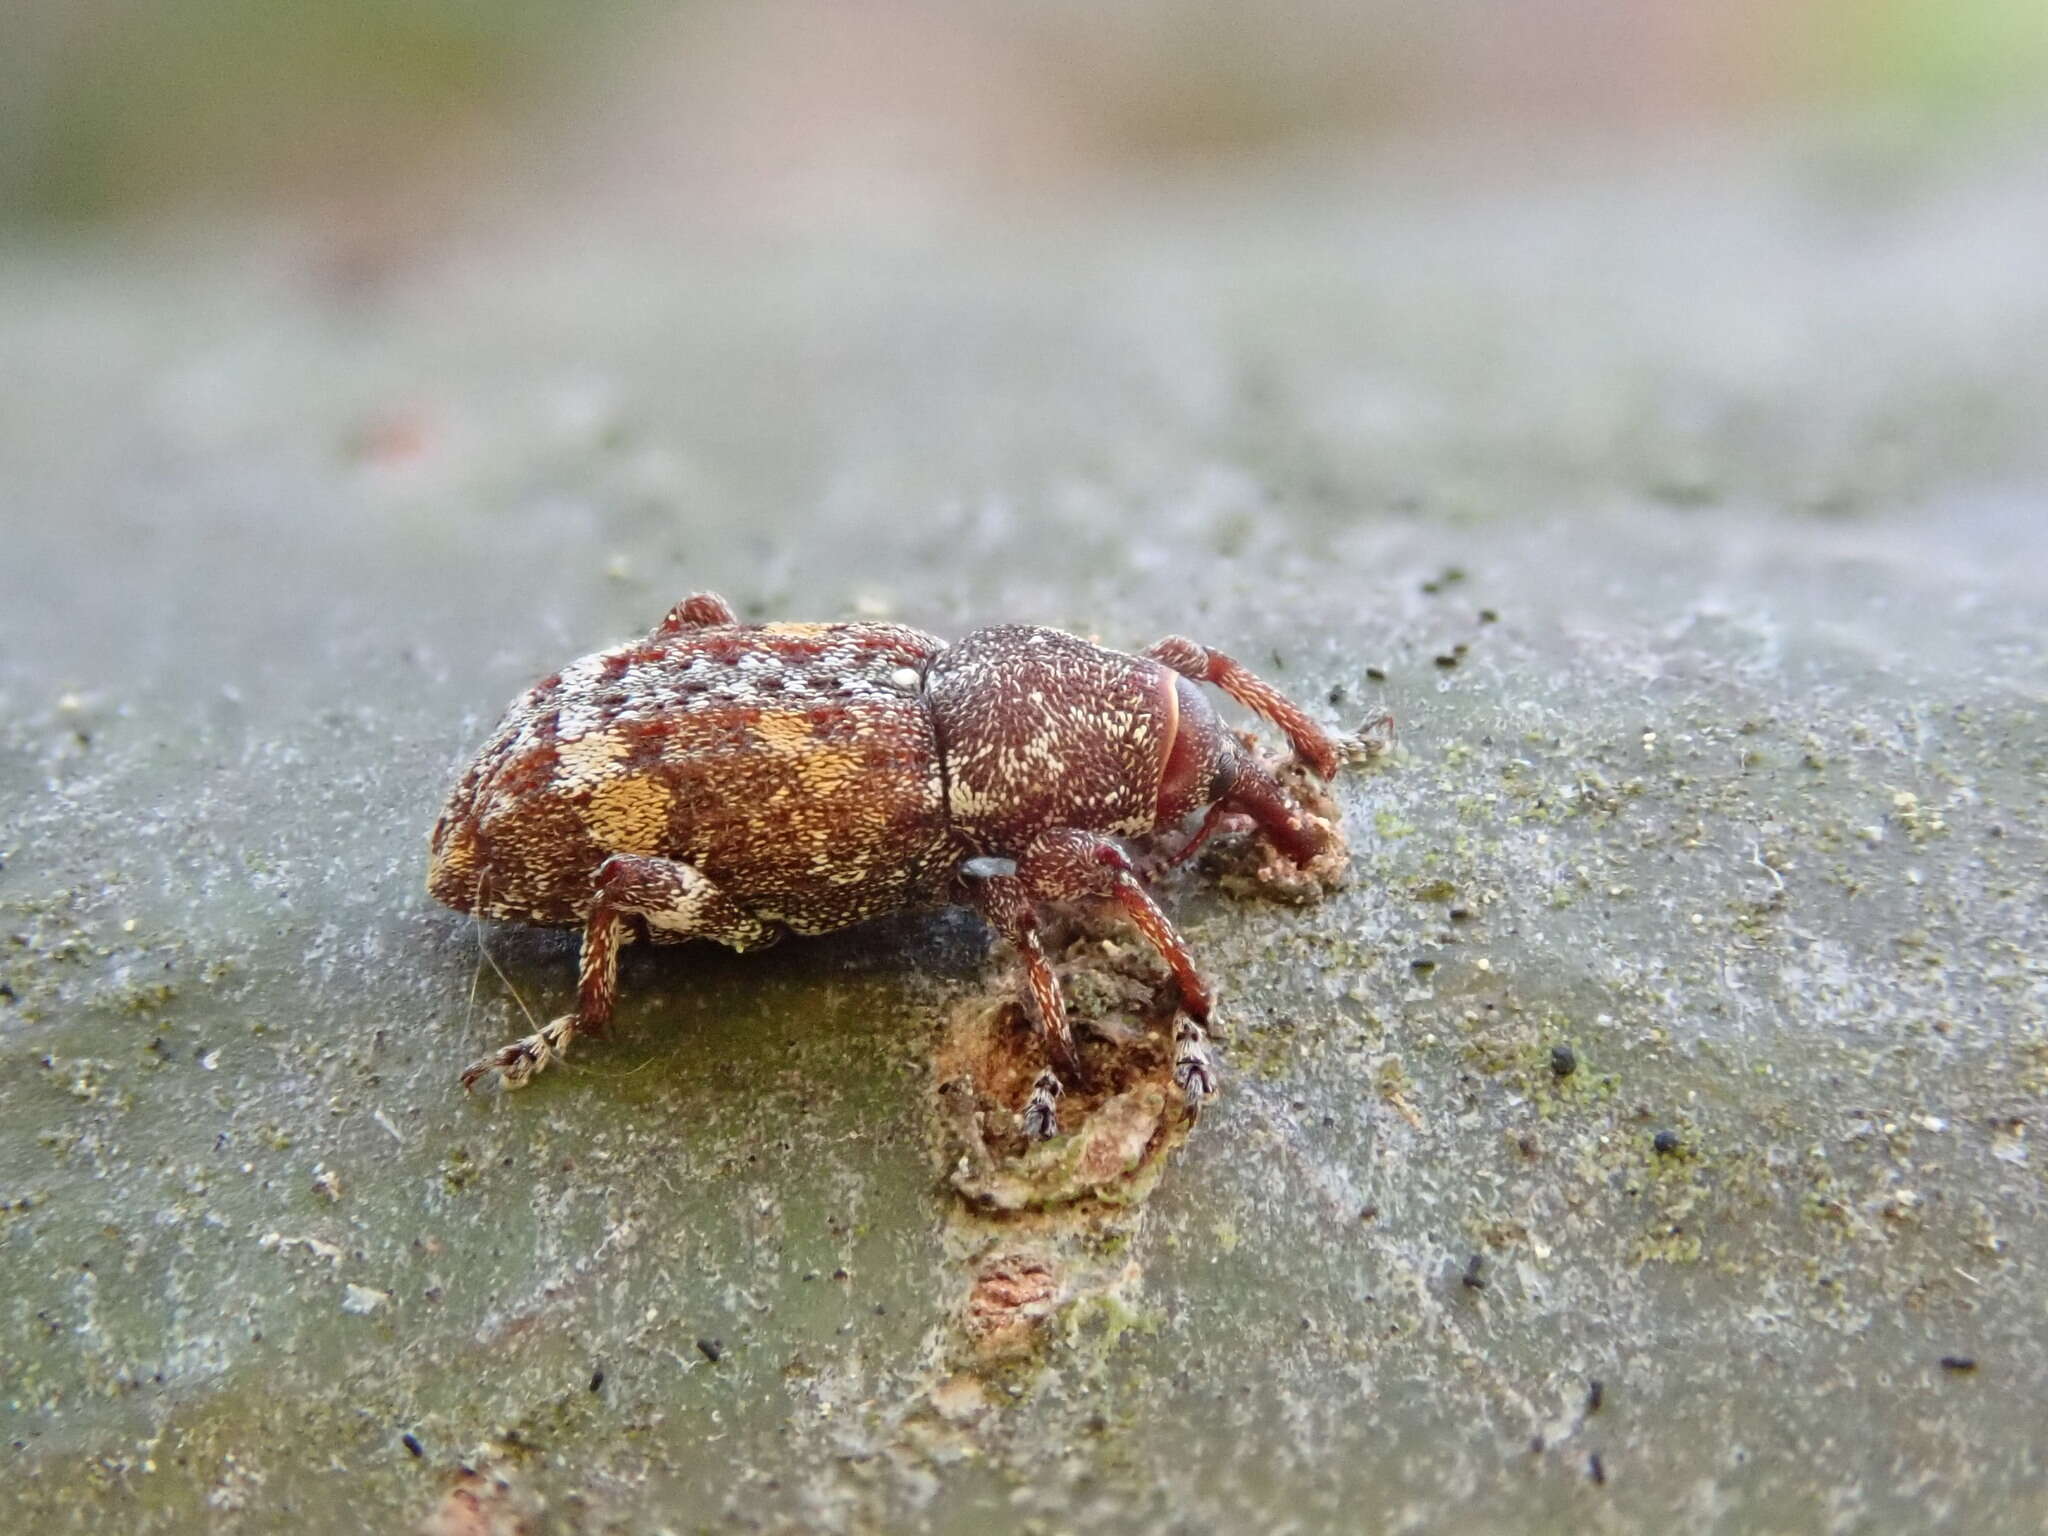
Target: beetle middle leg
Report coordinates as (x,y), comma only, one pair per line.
(1065,865)
(676,900)
(994,888)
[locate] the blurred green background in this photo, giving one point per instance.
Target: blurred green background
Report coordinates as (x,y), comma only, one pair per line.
(406,115)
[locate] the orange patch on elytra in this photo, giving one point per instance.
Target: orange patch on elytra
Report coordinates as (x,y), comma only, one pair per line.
(455,859)
(828,770)
(583,759)
(784,730)
(629,814)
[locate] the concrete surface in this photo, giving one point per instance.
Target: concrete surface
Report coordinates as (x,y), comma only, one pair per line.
(1691,516)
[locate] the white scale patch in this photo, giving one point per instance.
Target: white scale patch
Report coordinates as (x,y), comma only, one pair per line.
(579,714)
(683,917)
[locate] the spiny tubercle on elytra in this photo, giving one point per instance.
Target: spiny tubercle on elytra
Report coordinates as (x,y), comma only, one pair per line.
(737,782)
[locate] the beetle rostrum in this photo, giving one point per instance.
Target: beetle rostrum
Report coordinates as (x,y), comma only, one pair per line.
(736,782)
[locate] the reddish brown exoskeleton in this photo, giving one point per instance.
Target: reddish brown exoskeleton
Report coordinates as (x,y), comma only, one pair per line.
(735,782)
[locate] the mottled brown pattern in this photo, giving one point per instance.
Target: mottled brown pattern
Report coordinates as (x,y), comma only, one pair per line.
(796,769)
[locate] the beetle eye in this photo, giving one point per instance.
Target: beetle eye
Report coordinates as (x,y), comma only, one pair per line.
(987,867)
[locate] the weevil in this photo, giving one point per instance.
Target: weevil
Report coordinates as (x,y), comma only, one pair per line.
(739,782)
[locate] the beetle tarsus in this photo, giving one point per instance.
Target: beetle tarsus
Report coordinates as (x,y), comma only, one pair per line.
(1374,739)
(517,1063)
(1041,1114)
(1194,1069)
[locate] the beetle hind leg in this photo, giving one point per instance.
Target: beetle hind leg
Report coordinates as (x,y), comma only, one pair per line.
(676,901)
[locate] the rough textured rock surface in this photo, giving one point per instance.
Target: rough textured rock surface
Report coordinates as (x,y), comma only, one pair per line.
(1649,1134)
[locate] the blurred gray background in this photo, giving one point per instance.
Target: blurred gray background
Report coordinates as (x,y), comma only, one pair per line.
(1643,402)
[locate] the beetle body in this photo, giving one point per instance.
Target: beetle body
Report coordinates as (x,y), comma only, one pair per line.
(793,765)
(735,782)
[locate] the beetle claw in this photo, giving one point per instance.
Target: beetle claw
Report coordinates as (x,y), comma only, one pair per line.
(1375,738)
(517,1063)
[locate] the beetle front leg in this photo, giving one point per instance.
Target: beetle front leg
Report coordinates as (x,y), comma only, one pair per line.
(1302,837)
(677,902)
(1311,743)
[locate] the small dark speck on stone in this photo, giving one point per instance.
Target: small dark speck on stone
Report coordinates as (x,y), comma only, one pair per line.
(1596,1469)
(1376,674)
(711,1350)
(1370,1213)
(1564,1061)
(6,992)
(1450,577)
(411,1442)
(1447,661)
(1488,616)
(1959,1362)
(1422,967)
(1596,1394)
(597,1379)
(1666,1142)
(1460,914)
(1535,1445)
(1339,693)
(1472,1279)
